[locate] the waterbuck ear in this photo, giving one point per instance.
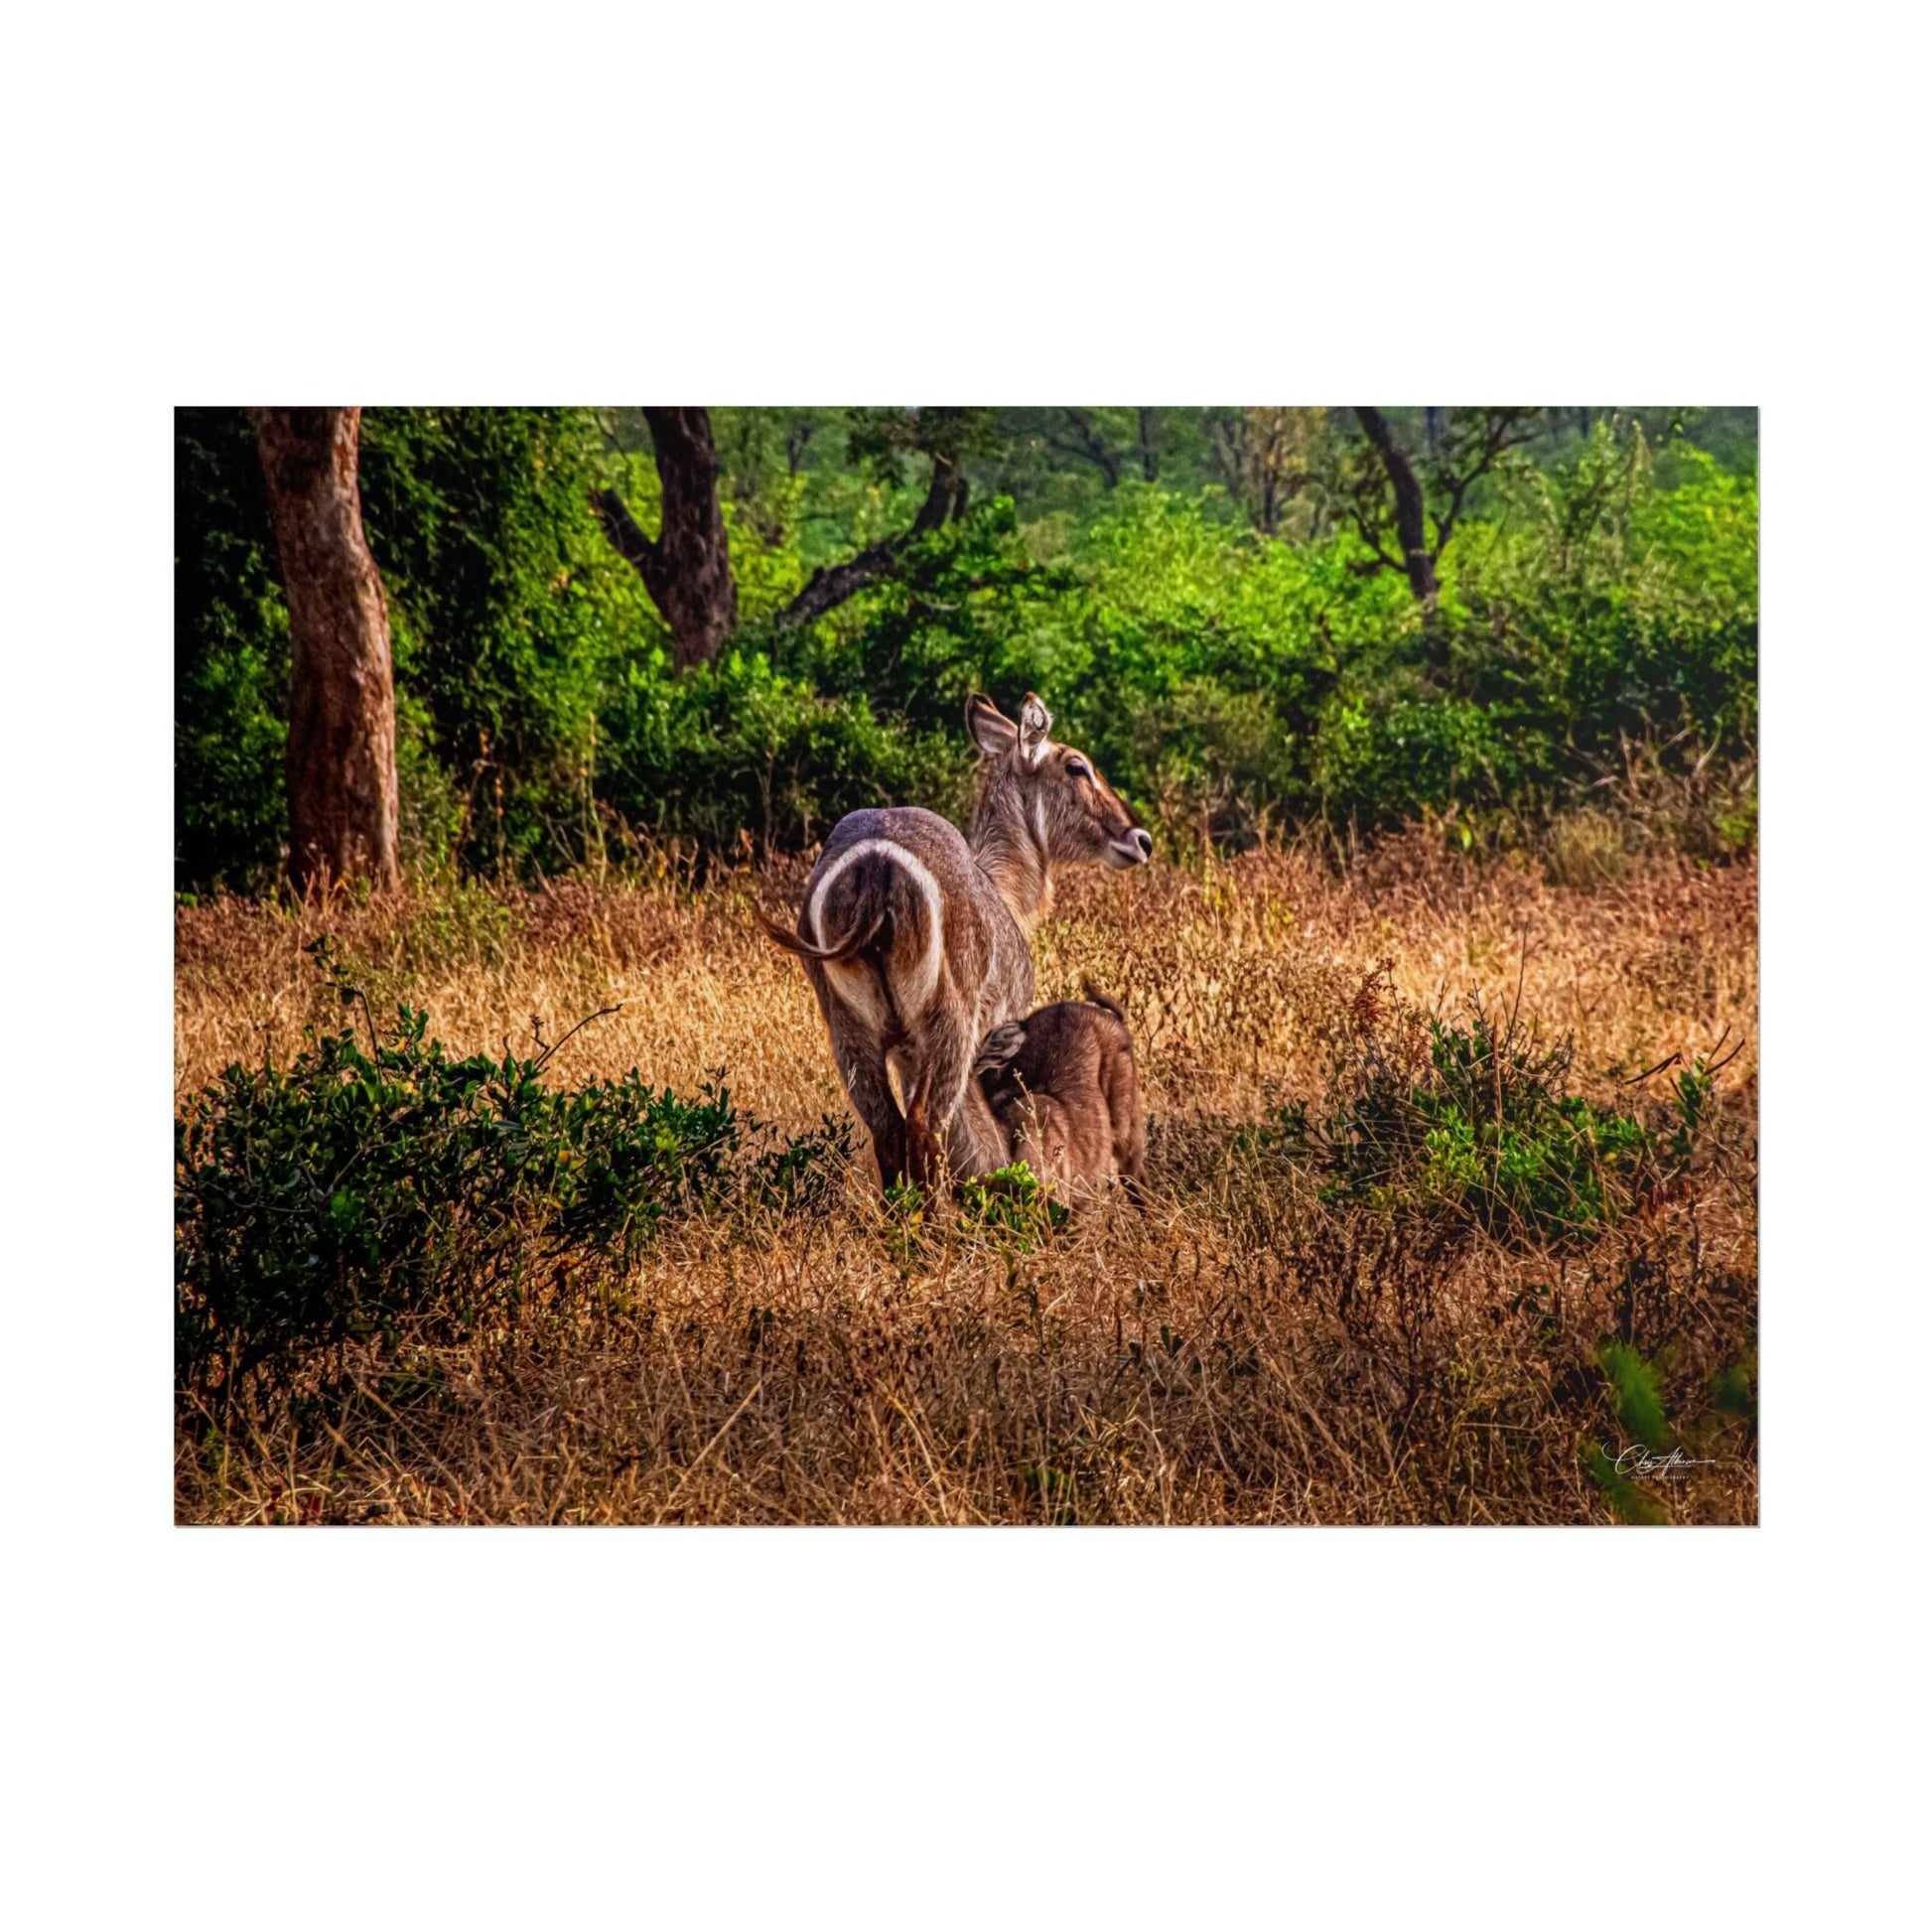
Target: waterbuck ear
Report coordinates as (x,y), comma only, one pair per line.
(993,731)
(1036,721)
(1000,1047)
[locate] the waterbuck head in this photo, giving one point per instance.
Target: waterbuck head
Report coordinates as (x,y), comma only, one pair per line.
(1042,806)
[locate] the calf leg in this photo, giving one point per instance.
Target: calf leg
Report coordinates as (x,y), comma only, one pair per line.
(1129,1125)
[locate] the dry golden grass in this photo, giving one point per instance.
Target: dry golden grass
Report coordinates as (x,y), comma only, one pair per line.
(1238,1352)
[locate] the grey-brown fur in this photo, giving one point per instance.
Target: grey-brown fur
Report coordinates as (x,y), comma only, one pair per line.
(1062,1087)
(900,996)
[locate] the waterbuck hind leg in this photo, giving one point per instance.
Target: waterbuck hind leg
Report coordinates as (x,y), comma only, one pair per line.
(965,1138)
(861,1066)
(871,1095)
(925,1151)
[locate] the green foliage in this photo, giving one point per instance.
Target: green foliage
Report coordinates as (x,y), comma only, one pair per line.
(1628,1502)
(1010,1203)
(356,1195)
(1734,1390)
(1627,610)
(231,663)
(1639,1399)
(802,1174)
(1654,1448)
(882,440)
(969,608)
(509,615)
(738,746)
(1595,640)
(1475,1125)
(1216,656)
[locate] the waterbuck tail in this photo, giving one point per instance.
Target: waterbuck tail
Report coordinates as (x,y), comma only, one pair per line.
(856,941)
(1104,1000)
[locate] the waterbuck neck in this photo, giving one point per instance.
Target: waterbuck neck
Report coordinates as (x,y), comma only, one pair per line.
(1009,852)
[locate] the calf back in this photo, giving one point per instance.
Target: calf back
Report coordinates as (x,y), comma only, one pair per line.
(1064,1091)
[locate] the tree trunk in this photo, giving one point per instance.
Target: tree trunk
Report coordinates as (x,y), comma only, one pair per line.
(686,567)
(1411,527)
(1150,455)
(341,757)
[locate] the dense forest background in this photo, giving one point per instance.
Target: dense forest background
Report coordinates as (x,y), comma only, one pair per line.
(1517,626)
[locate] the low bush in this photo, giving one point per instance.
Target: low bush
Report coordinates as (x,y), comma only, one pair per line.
(361,1195)
(1653,1445)
(1474,1124)
(735,747)
(1010,1205)
(800,1175)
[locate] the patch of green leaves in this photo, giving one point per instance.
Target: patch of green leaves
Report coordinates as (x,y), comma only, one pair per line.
(1628,1502)
(1011,1204)
(361,1193)
(801,1174)
(1639,1399)
(1473,1123)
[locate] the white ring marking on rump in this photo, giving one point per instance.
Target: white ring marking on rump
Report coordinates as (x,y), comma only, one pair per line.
(919,993)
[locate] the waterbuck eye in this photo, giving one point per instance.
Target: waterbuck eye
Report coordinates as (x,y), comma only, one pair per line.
(1078,768)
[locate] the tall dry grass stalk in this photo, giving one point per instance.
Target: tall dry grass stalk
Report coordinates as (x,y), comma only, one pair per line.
(1242,1351)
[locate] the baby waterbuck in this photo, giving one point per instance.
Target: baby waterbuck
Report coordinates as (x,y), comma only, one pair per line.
(1063,1089)
(917,941)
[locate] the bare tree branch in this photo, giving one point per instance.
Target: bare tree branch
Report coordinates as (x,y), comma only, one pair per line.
(1088,445)
(1496,439)
(831,585)
(627,537)
(686,567)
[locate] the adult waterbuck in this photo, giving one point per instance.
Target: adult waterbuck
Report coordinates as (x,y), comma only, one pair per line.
(917,941)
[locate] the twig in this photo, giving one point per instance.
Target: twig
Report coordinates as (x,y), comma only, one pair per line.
(691,1467)
(1522,970)
(1649,1072)
(543,1058)
(1712,1066)
(376,1045)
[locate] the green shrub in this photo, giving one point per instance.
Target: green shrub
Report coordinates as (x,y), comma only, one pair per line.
(968,609)
(739,746)
(802,1174)
(1473,1124)
(1011,1203)
(1595,645)
(1628,1502)
(509,616)
(356,1195)
(231,660)
(1635,1386)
